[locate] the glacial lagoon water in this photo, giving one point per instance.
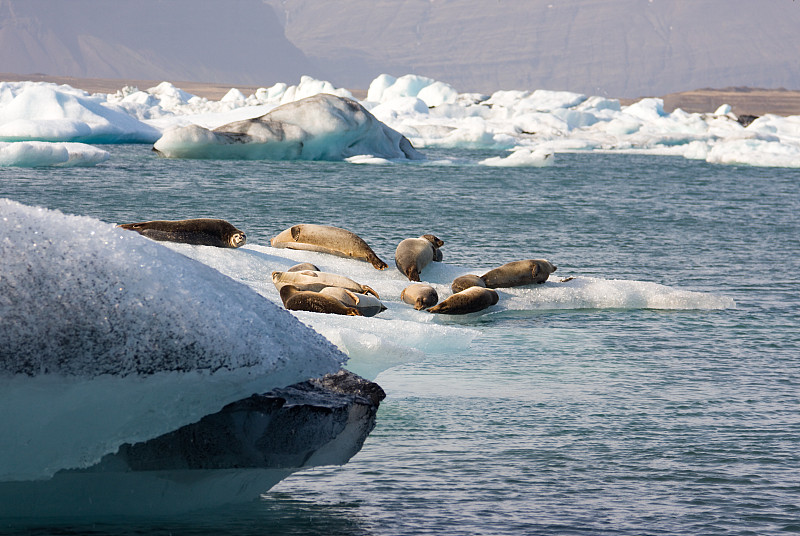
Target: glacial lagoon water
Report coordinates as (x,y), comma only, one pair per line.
(656,393)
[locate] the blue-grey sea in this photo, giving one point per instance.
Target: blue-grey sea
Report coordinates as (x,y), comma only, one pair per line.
(593,421)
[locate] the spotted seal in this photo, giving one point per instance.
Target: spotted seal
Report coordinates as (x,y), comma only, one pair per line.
(420,295)
(316,281)
(199,231)
(414,254)
(295,299)
(366,305)
(327,239)
(517,273)
(467,301)
(465,281)
(302,267)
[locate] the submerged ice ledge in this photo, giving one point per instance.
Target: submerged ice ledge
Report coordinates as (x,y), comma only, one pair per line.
(428,113)
(109,338)
(230,456)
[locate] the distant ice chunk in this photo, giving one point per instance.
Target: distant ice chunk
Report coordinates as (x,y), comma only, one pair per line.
(39,153)
(754,152)
(322,127)
(108,337)
(522,157)
(724,109)
(433,93)
(46,112)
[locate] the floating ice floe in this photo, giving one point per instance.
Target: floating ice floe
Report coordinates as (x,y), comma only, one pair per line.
(521,158)
(322,127)
(110,338)
(40,153)
(427,112)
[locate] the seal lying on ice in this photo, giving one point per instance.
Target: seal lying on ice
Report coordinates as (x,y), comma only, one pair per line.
(414,254)
(518,273)
(316,281)
(465,281)
(201,231)
(303,266)
(366,305)
(295,299)
(327,239)
(467,301)
(420,295)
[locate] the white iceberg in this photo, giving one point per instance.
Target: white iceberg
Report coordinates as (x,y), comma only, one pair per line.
(109,338)
(322,127)
(40,153)
(46,112)
(427,112)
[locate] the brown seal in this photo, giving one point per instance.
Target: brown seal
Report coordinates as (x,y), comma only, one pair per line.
(366,305)
(307,300)
(517,273)
(414,254)
(420,295)
(467,301)
(200,231)
(303,266)
(327,239)
(316,281)
(465,281)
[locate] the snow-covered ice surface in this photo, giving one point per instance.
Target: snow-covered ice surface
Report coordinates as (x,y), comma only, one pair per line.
(109,337)
(529,124)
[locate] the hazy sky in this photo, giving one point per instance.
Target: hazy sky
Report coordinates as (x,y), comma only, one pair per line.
(605,47)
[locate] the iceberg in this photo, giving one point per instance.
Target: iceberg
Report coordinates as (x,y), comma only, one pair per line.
(322,127)
(315,120)
(46,112)
(40,153)
(109,338)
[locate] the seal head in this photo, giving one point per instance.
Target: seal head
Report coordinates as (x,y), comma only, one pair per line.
(420,295)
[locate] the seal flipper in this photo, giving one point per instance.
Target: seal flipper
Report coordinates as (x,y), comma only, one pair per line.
(376,262)
(368,290)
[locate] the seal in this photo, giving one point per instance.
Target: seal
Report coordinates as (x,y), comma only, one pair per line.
(316,281)
(327,239)
(414,254)
(366,305)
(518,273)
(467,301)
(465,281)
(200,231)
(295,299)
(420,295)
(303,266)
